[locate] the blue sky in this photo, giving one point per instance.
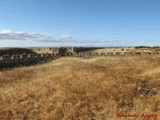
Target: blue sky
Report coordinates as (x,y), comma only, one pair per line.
(26,23)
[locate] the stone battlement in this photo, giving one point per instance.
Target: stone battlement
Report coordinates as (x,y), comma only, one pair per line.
(25,56)
(7,61)
(124,53)
(71,52)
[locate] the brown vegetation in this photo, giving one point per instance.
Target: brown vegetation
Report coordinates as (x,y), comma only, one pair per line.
(82,89)
(131,49)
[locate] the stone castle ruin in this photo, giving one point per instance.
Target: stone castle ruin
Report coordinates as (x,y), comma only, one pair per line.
(40,55)
(64,51)
(46,54)
(7,61)
(118,53)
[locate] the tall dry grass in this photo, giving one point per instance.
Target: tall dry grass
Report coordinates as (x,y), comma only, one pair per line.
(81,89)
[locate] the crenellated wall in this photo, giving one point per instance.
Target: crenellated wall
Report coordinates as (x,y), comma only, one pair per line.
(125,53)
(19,57)
(7,61)
(25,56)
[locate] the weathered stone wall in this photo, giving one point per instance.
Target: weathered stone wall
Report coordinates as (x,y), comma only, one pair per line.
(22,57)
(7,61)
(87,54)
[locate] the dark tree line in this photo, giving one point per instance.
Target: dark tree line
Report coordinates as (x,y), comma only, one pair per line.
(147,47)
(84,49)
(13,51)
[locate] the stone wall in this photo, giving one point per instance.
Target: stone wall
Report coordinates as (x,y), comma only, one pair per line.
(7,61)
(125,53)
(22,57)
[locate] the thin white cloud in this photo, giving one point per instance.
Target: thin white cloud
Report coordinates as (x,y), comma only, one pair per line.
(14,35)
(32,39)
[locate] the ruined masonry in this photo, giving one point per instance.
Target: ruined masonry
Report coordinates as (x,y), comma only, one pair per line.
(54,53)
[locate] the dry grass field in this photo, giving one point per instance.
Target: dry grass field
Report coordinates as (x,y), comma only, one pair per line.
(131,49)
(113,49)
(82,89)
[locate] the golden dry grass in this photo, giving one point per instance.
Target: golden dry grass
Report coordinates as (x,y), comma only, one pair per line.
(104,50)
(81,89)
(131,49)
